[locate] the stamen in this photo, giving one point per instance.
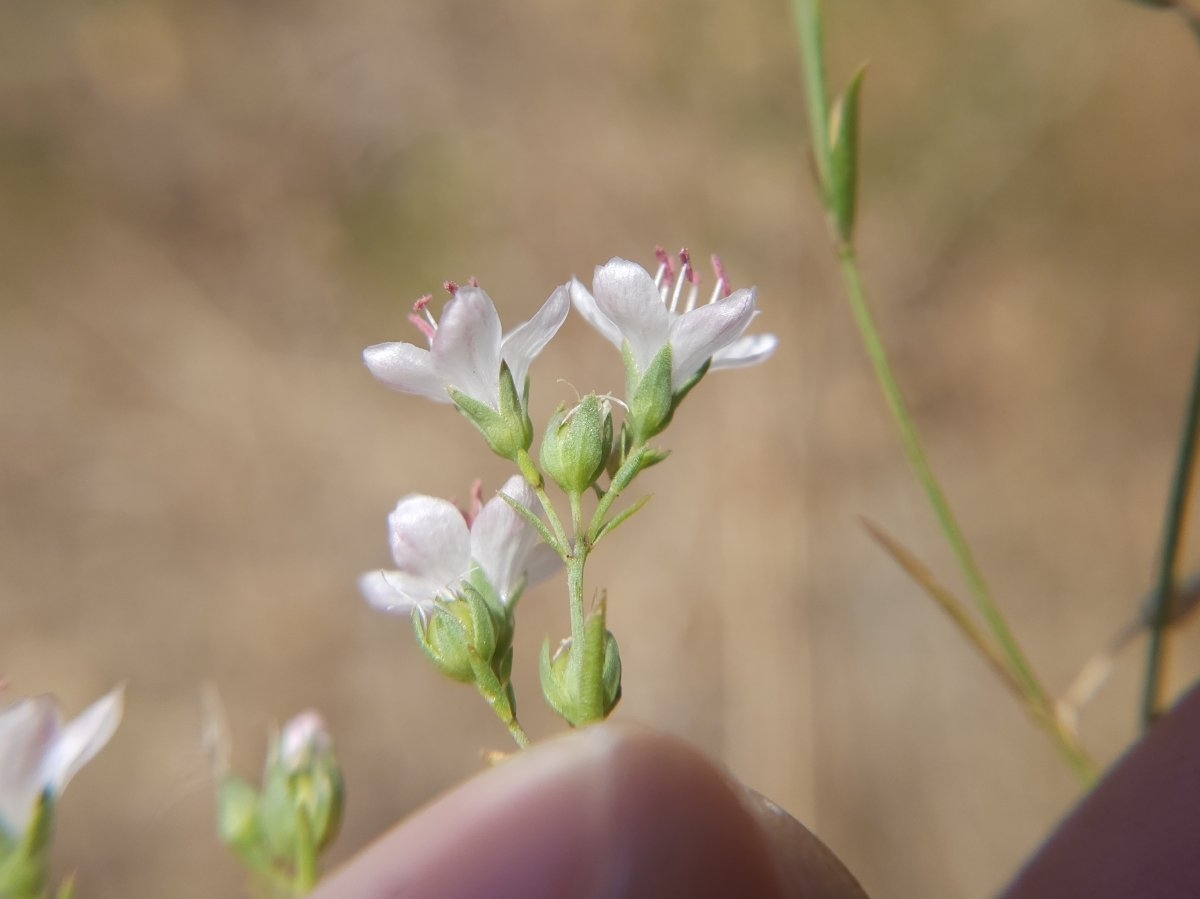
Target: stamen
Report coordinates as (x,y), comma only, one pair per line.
(722,289)
(473,281)
(450,287)
(426,325)
(666,271)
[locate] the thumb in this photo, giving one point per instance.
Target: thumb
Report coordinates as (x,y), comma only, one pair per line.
(612,812)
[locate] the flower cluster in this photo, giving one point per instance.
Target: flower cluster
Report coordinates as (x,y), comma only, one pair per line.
(460,573)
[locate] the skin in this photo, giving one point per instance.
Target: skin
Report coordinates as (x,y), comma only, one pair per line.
(621,812)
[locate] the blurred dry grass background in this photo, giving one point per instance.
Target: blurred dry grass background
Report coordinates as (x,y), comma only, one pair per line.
(206,210)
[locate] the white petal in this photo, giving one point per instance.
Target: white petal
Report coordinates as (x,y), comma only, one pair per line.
(541,563)
(81,739)
(524,342)
(405,367)
(430,543)
(382,591)
(585,305)
(28,729)
(501,540)
(699,334)
(749,349)
(466,346)
(625,293)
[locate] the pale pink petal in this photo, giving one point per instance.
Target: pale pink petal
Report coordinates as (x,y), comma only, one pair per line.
(407,368)
(430,543)
(392,591)
(28,729)
(501,540)
(542,562)
(81,739)
(749,349)
(626,294)
(699,334)
(524,342)
(466,347)
(585,305)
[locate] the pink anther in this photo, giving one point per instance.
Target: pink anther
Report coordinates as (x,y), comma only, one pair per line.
(718,267)
(666,270)
(473,281)
(423,318)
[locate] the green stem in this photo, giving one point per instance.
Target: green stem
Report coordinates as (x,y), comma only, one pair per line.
(518,732)
(306,857)
(807,16)
(575,594)
(1173,527)
(929,483)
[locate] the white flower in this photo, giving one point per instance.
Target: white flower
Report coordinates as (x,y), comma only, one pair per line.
(40,753)
(436,548)
(626,305)
(466,348)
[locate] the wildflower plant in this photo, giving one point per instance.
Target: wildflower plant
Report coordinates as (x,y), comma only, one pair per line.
(460,573)
(279,830)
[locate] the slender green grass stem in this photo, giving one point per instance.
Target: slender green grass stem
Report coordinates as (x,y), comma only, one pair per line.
(929,483)
(807,16)
(1168,562)
(1038,700)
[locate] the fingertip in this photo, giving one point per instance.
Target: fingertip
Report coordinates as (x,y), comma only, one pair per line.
(610,811)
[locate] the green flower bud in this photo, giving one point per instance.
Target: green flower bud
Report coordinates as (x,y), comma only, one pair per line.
(302,794)
(577,444)
(457,627)
(583,684)
(506,431)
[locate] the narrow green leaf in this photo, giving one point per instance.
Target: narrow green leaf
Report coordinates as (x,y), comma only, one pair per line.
(843,158)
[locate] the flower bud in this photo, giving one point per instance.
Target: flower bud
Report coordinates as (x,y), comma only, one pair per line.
(577,444)
(302,794)
(508,430)
(583,684)
(455,629)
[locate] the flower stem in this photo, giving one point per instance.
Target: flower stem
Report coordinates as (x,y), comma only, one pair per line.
(518,732)
(575,563)
(1164,593)
(306,857)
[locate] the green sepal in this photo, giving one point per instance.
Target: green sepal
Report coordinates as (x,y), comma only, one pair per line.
(650,401)
(237,815)
(23,866)
(843,158)
(552,670)
(507,431)
(443,638)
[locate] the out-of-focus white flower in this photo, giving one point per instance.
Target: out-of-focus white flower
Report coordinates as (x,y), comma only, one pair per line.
(302,739)
(436,547)
(627,306)
(466,348)
(40,753)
